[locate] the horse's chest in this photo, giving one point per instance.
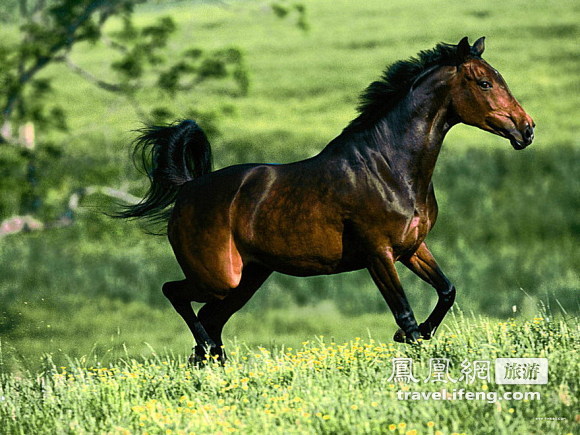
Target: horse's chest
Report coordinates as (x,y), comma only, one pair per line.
(415,231)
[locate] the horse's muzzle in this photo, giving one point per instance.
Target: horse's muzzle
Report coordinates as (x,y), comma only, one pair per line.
(522,139)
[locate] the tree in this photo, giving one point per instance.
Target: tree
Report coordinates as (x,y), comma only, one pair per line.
(49,31)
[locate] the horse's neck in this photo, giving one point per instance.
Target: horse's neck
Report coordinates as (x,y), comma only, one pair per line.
(405,144)
(417,129)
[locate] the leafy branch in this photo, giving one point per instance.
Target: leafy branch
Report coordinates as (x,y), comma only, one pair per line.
(51,33)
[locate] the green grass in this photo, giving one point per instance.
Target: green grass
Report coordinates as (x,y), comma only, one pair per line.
(320,386)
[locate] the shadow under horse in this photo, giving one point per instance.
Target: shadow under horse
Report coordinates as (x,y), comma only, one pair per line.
(365,201)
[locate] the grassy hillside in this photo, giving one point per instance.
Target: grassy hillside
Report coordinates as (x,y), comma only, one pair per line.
(508,226)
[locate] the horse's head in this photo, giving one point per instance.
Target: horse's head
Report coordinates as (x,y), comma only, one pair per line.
(481,97)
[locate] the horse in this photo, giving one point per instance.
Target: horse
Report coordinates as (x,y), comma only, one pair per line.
(365,201)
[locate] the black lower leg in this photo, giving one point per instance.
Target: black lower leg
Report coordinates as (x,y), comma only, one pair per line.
(384,273)
(424,265)
(409,330)
(214,315)
(179,294)
(444,303)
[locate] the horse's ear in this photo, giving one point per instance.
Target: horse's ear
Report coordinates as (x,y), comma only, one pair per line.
(463,50)
(478,47)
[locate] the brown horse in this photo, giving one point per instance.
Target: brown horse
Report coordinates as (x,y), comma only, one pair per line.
(366,201)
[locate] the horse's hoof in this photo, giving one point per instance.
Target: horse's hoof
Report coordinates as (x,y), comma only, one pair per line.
(401,337)
(202,355)
(195,360)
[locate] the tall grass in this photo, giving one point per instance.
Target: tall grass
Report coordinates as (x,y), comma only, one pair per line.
(322,386)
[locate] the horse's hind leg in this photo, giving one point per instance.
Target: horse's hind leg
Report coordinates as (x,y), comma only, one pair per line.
(214,315)
(179,294)
(383,271)
(424,265)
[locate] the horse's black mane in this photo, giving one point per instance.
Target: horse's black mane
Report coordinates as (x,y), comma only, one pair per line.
(380,96)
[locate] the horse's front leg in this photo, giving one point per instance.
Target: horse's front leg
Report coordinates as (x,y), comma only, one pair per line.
(424,265)
(383,271)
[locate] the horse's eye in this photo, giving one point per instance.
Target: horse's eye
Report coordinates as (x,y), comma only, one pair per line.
(484,84)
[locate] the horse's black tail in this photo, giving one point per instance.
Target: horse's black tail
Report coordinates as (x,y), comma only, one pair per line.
(171,155)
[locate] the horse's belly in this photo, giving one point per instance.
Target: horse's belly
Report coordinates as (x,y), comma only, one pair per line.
(300,253)
(289,229)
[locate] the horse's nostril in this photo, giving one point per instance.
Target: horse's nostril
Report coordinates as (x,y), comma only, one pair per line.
(528,134)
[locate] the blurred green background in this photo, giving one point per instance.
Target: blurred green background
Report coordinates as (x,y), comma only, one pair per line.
(508,230)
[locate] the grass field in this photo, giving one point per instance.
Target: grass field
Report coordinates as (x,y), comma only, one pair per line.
(507,236)
(322,386)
